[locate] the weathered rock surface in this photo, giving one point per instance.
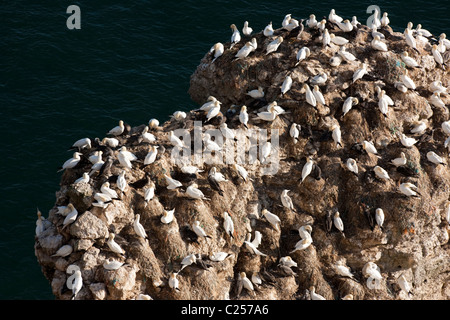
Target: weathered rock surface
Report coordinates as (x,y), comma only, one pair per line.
(414,237)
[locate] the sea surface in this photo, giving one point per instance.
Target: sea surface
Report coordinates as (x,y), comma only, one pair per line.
(131,60)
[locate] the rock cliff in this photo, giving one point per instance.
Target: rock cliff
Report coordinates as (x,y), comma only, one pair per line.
(412,242)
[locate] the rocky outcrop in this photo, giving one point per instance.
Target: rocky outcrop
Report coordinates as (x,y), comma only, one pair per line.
(413,240)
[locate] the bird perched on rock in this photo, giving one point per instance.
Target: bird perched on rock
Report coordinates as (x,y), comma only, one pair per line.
(199,230)
(286,200)
(228,224)
(273,219)
(337,221)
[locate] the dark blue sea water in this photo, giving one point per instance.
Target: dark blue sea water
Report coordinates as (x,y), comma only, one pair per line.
(130,60)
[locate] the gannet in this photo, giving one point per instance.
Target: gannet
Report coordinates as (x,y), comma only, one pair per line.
(337,221)
(302,244)
(219,256)
(294,131)
(268,115)
(343,271)
(355,22)
(167,216)
(286,20)
(218,50)
(111,142)
(305,232)
(94,158)
(210,145)
(286,200)
(76,284)
(405,188)
(419,127)
(326,38)
(71,216)
(273,219)
(151,155)
(444,39)
(118,130)
(409,26)
(190,169)
(384,20)
(436,86)
(359,73)
(349,57)
(307,168)
(437,55)
(245,50)
(377,44)
(404,284)
(314,295)
(333,17)
(321,25)
(293,23)
(370,269)
(302,54)
(268,30)
(109,264)
(318,95)
(102,198)
(287,84)
(246,30)
(407,141)
(436,100)
(72,162)
(410,41)
(288,262)
(311,22)
(410,62)
(256,279)
(310,98)
(125,157)
(83,179)
(407,81)
(64,251)
(121,181)
(65,210)
(336,134)
(208,104)
(369,147)
(348,297)
(39,223)
(423,32)
(218,176)
(257,240)
(177,115)
(228,224)
(441,46)
(447,215)
(376,33)
(213,112)
(138,227)
(193,192)
(188,260)
(240,171)
(243,116)
(84,143)
(199,230)
(266,149)
(348,104)
(400,86)
(236,36)
(273,46)
(376,18)
(246,282)
(379,217)
(256,93)
(153,123)
(172,183)
(173,281)
(113,245)
(149,192)
(383,103)
(352,165)
(434,158)
(253,248)
(446,127)
(401,161)
(148,137)
(345,26)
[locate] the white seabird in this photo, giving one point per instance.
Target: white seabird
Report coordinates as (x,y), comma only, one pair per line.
(314,295)
(125,157)
(311,22)
(310,98)
(173,281)
(379,217)
(149,192)
(294,131)
(243,116)
(338,223)
(109,264)
(245,51)
(381,173)
(246,30)
(72,162)
(333,17)
(188,260)
(377,44)
(352,166)
(121,181)
(434,158)
(321,25)
(359,73)
(293,23)
(240,171)
(286,20)
(273,46)
(83,179)
(39,223)
(305,232)
(118,130)
(336,134)
(340,41)
(437,55)
(404,284)
(228,224)
(401,161)
(407,81)
(71,216)
(436,86)
(84,143)
(302,54)
(190,169)
(409,61)
(407,141)
(151,155)
(348,104)
(419,127)
(273,219)
(302,244)
(369,147)
(355,23)
(286,200)
(193,192)
(111,142)
(307,168)
(410,41)
(326,38)
(384,20)
(287,84)
(384,102)
(63,251)
(288,262)
(218,50)
(236,35)
(343,271)
(148,137)
(256,279)
(167,216)
(113,245)
(153,123)
(436,100)
(213,112)
(199,230)
(246,282)
(253,248)
(406,189)
(345,25)
(172,183)
(95,157)
(77,283)
(219,256)
(446,127)
(138,227)
(318,95)
(256,93)
(268,30)
(349,57)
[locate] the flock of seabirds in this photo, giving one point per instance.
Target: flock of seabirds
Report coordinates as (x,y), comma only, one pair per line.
(101,155)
